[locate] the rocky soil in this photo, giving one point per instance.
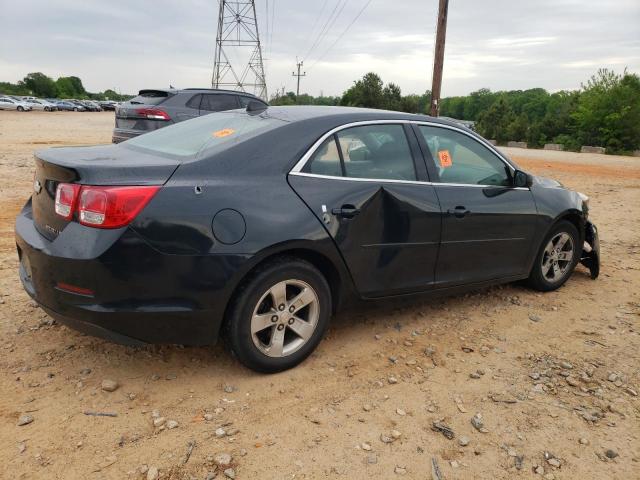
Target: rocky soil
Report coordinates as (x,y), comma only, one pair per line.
(501,383)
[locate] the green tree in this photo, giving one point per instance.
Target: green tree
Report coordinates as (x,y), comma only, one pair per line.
(608,112)
(70,87)
(392,97)
(494,121)
(40,85)
(367,92)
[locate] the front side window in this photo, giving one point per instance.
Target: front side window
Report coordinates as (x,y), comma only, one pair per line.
(219,102)
(461,159)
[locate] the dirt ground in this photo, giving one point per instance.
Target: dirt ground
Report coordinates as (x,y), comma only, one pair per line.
(556,375)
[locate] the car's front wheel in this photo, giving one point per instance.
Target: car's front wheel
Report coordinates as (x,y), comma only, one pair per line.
(279,315)
(20,109)
(557,258)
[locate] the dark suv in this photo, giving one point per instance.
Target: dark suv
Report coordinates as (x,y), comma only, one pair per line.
(157,108)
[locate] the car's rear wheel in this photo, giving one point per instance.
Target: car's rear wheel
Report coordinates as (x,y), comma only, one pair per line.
(20,109)
(75,109)
(557,258)
(279,315)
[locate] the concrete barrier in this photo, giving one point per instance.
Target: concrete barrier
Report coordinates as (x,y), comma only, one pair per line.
(554,146)
(589,149)
(493,142)
(517,144)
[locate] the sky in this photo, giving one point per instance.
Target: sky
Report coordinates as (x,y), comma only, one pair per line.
(128,45)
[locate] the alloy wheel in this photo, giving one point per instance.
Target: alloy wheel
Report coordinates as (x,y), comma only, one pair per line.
(557,257)
(285,318)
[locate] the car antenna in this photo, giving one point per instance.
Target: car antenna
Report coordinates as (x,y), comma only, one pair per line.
(255,108)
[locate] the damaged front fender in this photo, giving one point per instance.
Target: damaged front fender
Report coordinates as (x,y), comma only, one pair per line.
(590,257)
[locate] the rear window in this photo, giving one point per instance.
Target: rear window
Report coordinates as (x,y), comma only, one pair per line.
(214,131)
(150,97)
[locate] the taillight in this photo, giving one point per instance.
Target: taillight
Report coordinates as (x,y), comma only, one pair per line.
(66,196)
(153,114)
(112,207)
(102,207)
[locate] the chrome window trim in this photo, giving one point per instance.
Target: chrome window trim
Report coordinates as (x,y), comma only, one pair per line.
(297,168)
(410,182)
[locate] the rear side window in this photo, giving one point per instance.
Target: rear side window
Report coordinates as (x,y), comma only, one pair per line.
(150,97)
(194,102)
(325,160)
(219,102)
(244,101)
(371,152)
(216,131)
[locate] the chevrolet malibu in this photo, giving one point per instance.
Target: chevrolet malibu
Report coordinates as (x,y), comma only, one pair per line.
(258,225)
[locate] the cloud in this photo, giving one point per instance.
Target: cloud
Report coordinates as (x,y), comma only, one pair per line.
(499,44)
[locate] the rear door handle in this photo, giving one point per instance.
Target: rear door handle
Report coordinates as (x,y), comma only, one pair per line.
(346,211)
(458,212)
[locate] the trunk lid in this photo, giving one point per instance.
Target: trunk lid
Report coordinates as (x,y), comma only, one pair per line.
(99,165)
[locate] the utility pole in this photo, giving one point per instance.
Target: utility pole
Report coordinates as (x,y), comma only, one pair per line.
(238,33)
(299,64)
(438,57)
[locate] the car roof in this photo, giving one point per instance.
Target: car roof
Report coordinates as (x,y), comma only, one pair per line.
(347,114)
(196,90)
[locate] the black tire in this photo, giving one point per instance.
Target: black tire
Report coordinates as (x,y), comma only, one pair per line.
(46,109)
(537,279)
(237,329)
(20,109)
(76,109)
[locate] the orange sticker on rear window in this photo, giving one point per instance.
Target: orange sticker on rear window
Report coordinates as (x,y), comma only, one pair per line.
(225,132)
(445,158)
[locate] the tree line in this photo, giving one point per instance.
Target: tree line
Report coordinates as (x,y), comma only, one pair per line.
(40,85)
(604,112)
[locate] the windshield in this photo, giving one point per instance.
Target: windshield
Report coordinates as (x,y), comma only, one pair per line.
(216,130)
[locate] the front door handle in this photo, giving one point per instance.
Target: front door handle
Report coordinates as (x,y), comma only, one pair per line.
(458,212)
(346,211)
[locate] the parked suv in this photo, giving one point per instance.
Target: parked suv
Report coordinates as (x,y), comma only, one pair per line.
(157,108)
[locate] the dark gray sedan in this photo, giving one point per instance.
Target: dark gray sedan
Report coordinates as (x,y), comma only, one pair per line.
(262,223)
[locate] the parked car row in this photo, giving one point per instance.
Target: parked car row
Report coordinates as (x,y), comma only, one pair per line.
(24,104)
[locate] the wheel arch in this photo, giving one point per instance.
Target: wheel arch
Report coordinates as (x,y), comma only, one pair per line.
(575,217)
(333,269)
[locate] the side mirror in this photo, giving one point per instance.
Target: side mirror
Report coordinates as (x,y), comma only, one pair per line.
(522,179)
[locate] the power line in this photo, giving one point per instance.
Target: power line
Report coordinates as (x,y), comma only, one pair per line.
(315,23)
(273,15)
(344,32)
(335,13)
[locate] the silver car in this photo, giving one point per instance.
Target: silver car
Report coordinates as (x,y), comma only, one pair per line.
(39,104)
(7,103)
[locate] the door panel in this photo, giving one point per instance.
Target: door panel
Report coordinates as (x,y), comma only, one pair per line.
(493,240)
(387,232)
(487,225)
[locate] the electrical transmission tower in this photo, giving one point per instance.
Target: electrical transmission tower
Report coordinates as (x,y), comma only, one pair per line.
(238,39)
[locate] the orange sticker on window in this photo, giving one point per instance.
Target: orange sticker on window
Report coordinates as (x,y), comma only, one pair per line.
(445,158)
(225,132)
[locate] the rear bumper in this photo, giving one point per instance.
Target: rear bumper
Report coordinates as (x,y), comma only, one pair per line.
(140,295)
(120,135)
